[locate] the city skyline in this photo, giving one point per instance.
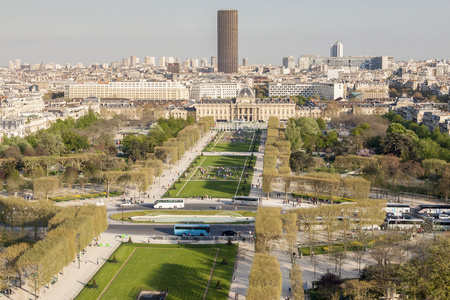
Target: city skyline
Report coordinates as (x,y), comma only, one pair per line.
(103,31)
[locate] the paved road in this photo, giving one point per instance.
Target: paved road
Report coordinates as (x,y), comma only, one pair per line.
(197,206)
(167,229)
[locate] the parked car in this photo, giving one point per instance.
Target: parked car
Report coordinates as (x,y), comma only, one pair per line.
(229,232)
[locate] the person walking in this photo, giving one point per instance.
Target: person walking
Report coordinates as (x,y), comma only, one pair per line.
(86,259)
(98,260)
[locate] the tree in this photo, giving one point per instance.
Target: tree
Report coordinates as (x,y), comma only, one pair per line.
(307,220)
(329,216)
(296,280)
(8,261)
(50,142)
(74,141)
(358,289)
(265,278)
(338,256)
(290,229)
(109,178)
(301,161)
(358,187)
(269,176)
(293,134)
(401,145)
(321,123)
(268,227)
(45,186)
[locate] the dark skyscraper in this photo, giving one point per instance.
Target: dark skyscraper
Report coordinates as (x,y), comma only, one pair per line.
(227,40)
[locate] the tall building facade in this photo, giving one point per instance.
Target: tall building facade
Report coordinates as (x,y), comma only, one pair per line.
(245,61)
(289,62)
(227,41)
(337,50)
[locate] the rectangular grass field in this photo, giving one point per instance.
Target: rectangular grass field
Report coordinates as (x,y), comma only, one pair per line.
(182,269)
(232,141)
(214,176)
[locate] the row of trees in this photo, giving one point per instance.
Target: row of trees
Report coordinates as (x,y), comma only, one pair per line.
(265,280)
(69,229)
(137,147)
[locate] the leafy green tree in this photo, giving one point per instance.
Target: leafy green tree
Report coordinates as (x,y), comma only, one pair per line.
(401,145)
(50,142)
(321,123)
(293,134)
(395,128)
(74,141)
(308,126)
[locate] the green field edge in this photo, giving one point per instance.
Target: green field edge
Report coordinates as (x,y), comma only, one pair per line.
(109,270)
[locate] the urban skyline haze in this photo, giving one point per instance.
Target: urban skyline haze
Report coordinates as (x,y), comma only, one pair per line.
(105,31)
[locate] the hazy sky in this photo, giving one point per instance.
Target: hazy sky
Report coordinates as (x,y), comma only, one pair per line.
(107,30)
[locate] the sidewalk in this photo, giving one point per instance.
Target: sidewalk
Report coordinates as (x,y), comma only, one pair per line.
(73,281)
(244,260)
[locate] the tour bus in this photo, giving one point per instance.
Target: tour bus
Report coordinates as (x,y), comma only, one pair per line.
(403,224)
(433,208)
(441,225)
(245,200)
(169,203)
(398,209)
(191,229)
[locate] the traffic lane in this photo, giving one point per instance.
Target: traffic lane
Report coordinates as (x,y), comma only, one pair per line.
(167,229)
(200,206)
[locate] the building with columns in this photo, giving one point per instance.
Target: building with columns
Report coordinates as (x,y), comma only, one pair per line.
(245,107)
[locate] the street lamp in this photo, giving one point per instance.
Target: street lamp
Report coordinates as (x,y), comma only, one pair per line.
(34,276)
(79,249)
(122,213)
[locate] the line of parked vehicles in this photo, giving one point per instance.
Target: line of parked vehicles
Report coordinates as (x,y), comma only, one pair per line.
(400,216)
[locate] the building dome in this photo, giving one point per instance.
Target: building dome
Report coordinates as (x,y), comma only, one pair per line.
(245,92)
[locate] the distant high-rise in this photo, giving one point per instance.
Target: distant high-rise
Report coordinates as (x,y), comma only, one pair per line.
(213,61)
(17,63)
(227,41)
(289,62)
(245,61)
(133,61)
(162,62)
(126,62)
(337,50)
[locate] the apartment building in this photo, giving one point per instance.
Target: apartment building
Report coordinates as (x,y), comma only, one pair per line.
(214,90)
(330,91)
(130,90)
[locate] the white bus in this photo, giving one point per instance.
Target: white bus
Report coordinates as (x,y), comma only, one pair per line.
(245,200)
(443,225)
(403,224)
(398,209)
(169,203)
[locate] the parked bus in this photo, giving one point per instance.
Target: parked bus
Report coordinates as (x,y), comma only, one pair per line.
(245,200)
(403,224)
(443,225)
(169,203)
(398,209)
(191,229)
(433,208)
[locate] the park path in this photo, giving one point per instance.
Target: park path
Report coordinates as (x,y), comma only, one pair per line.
(191,176)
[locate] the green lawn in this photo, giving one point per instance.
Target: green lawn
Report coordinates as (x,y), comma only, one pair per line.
(222,142)
(216,188)
(231,147)
(223,161)
(183,269)
(126,215)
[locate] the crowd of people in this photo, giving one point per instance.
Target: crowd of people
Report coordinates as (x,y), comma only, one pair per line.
(212,172)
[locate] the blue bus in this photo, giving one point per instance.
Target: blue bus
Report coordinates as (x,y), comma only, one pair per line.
(191,229)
